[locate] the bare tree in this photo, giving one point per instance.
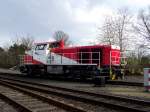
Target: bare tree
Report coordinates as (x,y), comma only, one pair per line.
(115,29)
(122,24)
(108,31)
(141,52)
(142,28)
(1,49)
(9,54)
(59,35)
(24,40)
(143,24)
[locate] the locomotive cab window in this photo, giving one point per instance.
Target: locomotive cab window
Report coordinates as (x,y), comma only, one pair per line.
(41,47)
(54,45)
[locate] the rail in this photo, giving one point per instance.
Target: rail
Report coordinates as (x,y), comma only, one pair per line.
(41,98)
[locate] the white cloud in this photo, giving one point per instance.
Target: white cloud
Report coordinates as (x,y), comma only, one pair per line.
(87,41)
(41,18)
(94,15)
(5,40)
(138,3)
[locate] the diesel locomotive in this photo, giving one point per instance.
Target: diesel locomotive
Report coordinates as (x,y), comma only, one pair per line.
(55,59)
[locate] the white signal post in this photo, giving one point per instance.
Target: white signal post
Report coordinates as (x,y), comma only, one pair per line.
(147,79)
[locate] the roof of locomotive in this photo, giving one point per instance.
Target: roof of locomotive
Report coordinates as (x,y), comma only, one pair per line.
(90,46)
(82,47)
(38,43)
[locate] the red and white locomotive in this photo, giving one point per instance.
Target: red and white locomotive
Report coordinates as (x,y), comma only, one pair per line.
(81,61)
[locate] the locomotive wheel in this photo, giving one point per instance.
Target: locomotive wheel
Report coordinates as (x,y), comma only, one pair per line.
(22,69)
(29,72)
(83,78)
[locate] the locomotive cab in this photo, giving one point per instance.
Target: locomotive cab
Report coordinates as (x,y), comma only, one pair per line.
(40,52)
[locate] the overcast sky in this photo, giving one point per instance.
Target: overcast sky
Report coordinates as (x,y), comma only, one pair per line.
(41,18)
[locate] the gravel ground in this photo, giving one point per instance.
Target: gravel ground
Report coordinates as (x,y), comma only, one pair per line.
(129,91)
(87,107)
(134,78)
(5,107)
(9,71)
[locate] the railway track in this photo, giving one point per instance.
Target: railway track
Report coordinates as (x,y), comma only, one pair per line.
(25,100)
(105,100)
